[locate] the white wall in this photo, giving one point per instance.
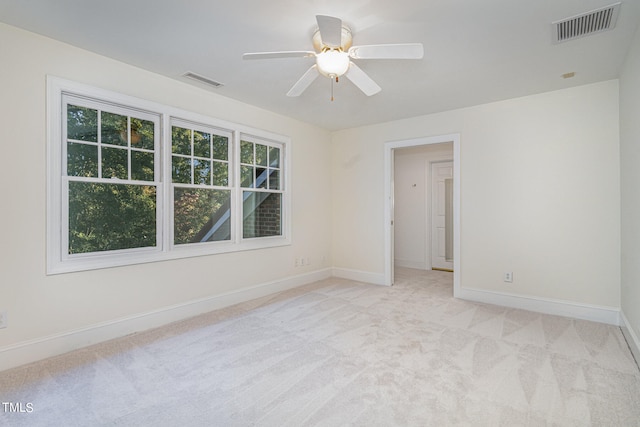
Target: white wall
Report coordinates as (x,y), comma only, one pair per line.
(412,183)
(630,185)
(540,194)
(40,307)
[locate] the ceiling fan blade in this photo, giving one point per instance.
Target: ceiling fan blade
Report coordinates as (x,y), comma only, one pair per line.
(272,55)
(362,80)
(330,30)
(304,82)
(388,51)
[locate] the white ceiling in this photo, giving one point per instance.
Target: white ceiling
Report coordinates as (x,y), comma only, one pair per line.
(476,51)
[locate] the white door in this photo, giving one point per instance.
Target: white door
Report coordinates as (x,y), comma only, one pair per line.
(442,216)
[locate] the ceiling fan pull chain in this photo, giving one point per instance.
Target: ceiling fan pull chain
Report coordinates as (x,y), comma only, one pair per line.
(331,90)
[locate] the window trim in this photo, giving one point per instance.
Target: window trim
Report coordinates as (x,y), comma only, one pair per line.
(58,260)
(70,99)
(240,195)
(170,185)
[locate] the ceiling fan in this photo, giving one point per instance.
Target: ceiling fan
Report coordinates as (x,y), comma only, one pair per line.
(334,54)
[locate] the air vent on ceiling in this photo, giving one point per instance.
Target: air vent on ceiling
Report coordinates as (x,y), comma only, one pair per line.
(202,79)
(586,24)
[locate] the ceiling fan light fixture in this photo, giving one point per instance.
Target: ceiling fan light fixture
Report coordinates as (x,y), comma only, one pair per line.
(332,63)
(334,52)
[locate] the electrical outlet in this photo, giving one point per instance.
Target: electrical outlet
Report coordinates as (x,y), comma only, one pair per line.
(508,276)
(302,261)
(3,319)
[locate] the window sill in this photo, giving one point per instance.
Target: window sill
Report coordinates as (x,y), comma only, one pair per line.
(98,261)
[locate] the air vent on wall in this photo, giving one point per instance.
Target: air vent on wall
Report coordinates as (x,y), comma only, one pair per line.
(202,79)
(586,24)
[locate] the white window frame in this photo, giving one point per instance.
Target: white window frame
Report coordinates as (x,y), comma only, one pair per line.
(207,128)
(58,260)
(64,225)
(269,143)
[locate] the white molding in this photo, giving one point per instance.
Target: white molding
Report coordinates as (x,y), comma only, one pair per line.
(631,336)
(359,276)
(601,314)
(41,348)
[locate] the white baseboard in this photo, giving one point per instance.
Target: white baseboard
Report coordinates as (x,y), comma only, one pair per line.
(609,315)
(418,265)
(37,349)
(41,348)
(631,337)
(359,276)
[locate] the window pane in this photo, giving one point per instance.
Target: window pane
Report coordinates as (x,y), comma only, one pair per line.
(201,172)
(113,129)
(261,155)
(274,179)
(261,213)
(261,178)
(220,147)
(246,152)
(246,176)
(274,157)
(201,215)
(82,123)
(202,144)
(114,163)
(181,141)
(82,160)
(220,174)
(181,170)
(142,166)
(142,133)
(105,217)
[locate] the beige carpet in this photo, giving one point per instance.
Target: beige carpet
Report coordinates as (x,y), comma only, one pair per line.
(340,353)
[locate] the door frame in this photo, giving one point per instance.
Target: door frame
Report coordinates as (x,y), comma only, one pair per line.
(389,148)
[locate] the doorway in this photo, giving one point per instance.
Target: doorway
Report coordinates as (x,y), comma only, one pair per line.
(396,147)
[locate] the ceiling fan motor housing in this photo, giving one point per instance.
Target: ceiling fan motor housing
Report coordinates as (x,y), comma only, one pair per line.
(345,41)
